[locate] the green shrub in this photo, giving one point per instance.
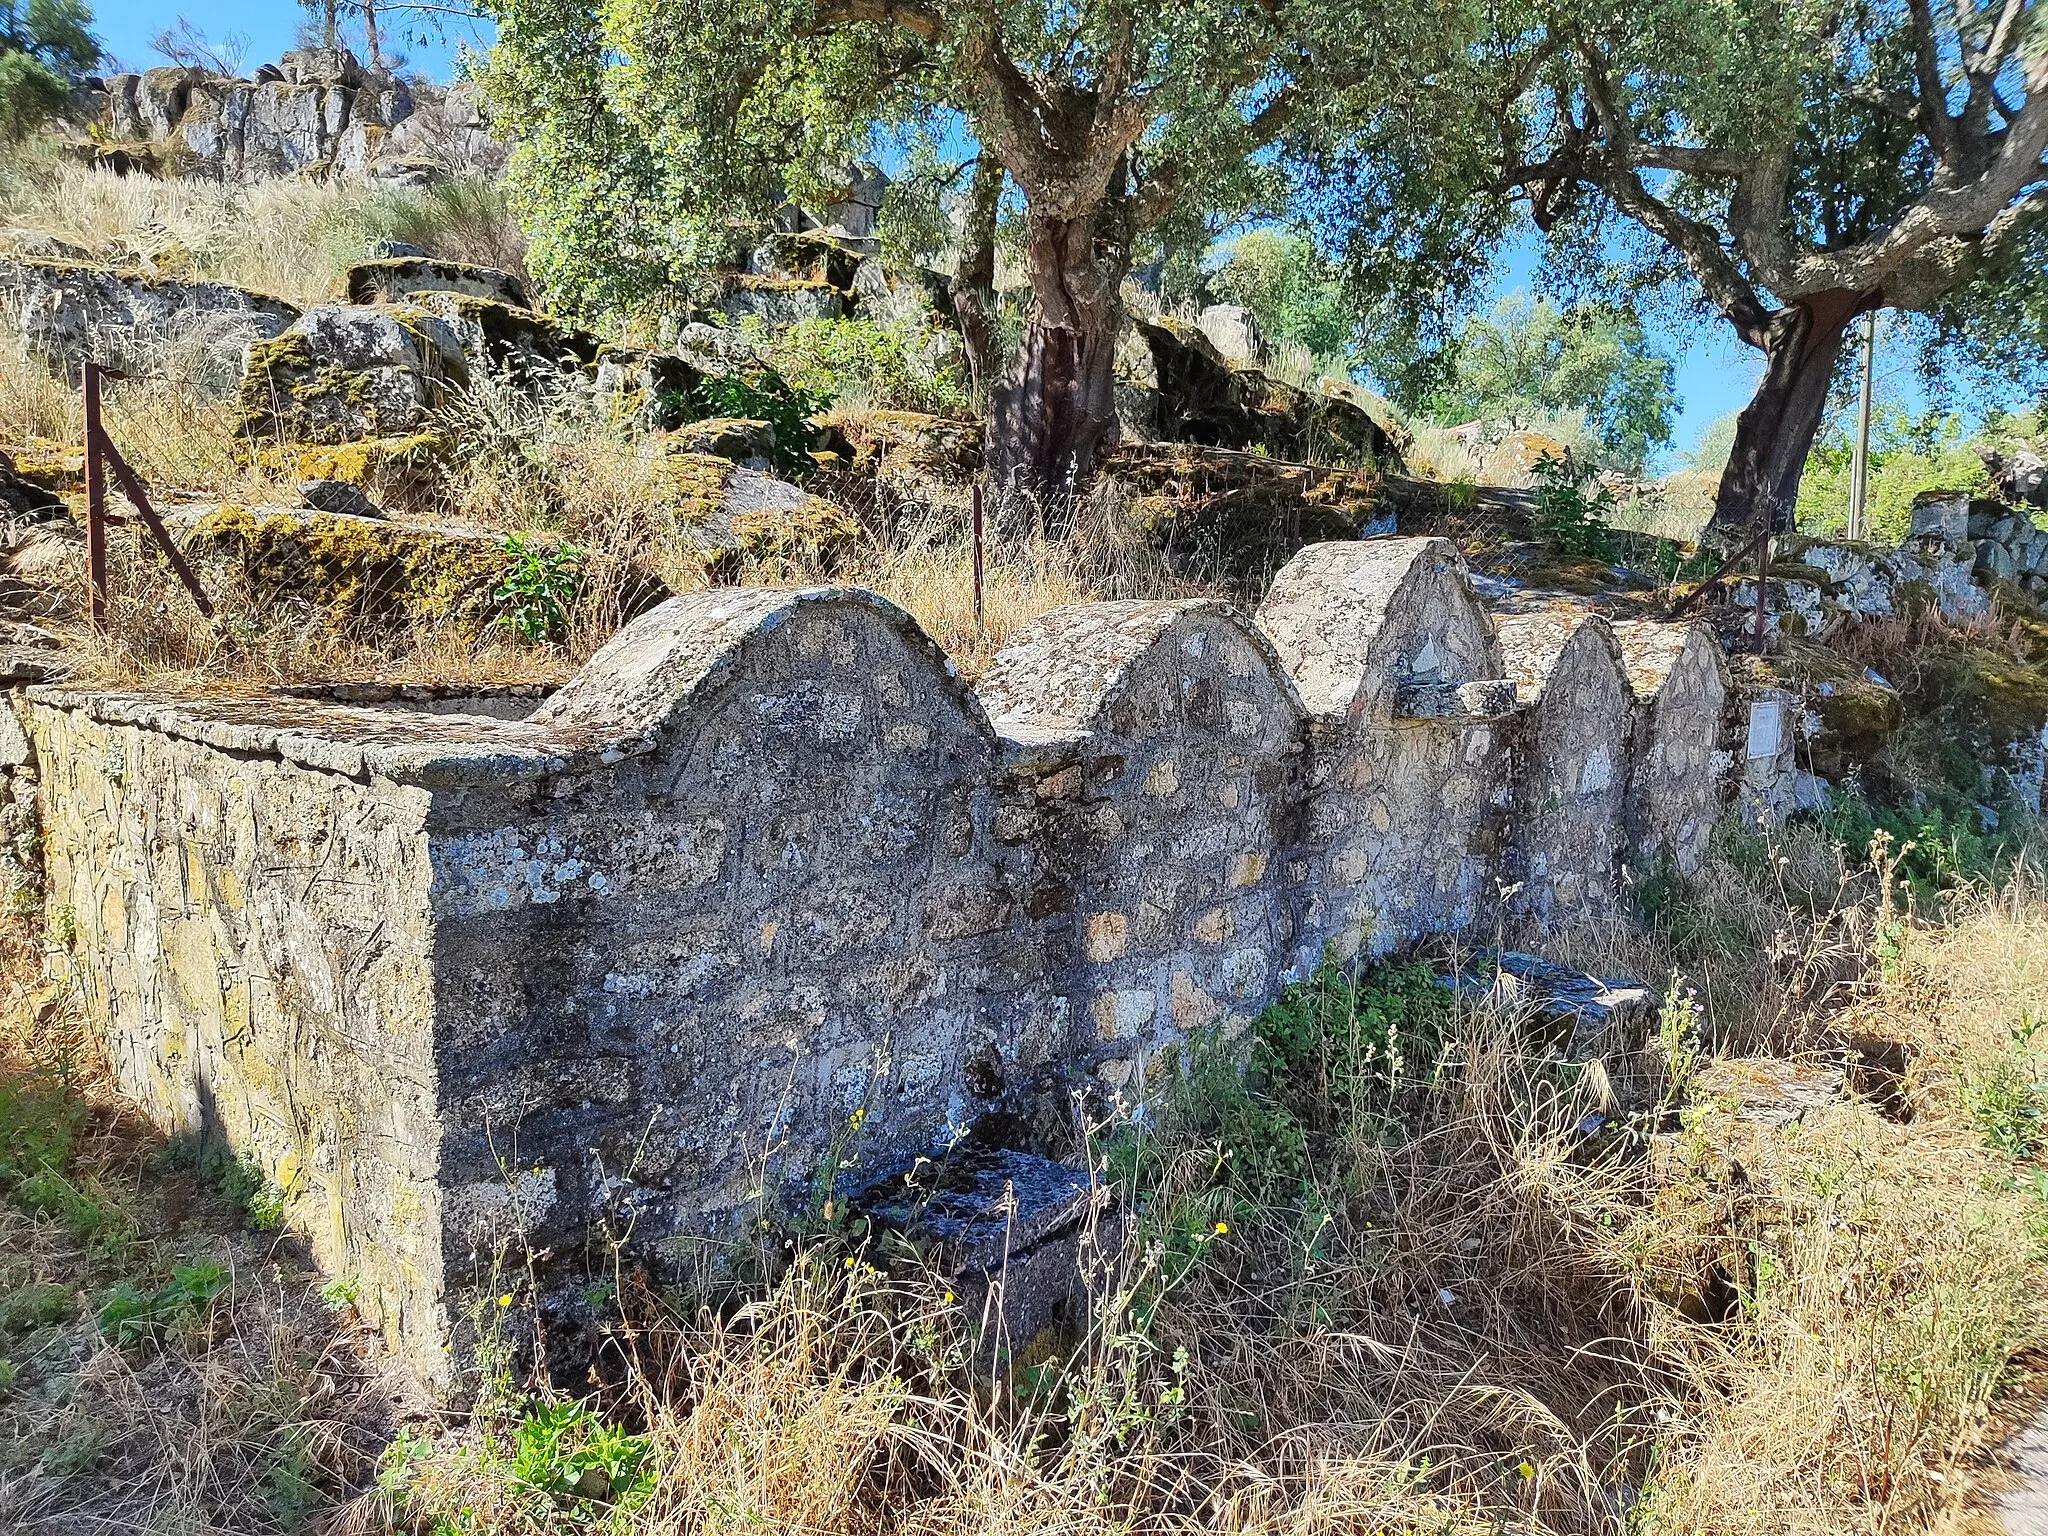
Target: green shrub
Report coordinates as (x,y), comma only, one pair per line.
(129,1315)
(764,395)
(2005,1097)
(1569,519)
(903,365)
(538,588)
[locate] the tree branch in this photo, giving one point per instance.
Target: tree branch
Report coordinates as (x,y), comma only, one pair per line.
(1935,122)
(920,21)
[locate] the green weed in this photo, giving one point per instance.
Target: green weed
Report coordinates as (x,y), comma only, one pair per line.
(2006,1098)
(538,588)
(129,1315)
(1568,518)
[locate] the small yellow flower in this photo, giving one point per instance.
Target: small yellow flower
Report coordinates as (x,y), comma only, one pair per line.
(1526,1470)
(849,1263)
(1222,1227)
(504,1301)
(949,1299)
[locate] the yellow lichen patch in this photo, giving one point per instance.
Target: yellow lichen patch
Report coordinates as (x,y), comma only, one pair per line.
(356,575)
(814,532)
(935,444)
(55,467)
(690,486)
(400,468)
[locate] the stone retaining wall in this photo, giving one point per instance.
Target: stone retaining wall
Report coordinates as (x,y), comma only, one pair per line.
(766,902)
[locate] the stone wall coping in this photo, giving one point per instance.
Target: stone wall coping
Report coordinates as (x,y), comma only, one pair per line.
(1534,644)
(1056,674)
(1651,649)
(406,746)
(644,679)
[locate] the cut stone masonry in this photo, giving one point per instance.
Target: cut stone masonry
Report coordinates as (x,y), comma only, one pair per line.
(767,902)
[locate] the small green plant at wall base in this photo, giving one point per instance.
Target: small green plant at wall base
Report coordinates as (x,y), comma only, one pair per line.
(128,1315)
(339,1295)
(538,588)
(2006,1098)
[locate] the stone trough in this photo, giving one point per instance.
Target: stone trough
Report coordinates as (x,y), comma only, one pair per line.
(766,890)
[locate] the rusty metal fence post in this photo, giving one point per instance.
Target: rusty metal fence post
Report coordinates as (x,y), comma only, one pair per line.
(101,456)
(977,557)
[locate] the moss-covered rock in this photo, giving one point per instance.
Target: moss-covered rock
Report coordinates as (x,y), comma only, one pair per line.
(393,278)
(730,513)
(343,373)
(1238,517)
(355,576)
(501,335)
(57,467)
(401,470)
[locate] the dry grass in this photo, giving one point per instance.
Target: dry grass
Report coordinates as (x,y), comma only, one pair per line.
(289,238)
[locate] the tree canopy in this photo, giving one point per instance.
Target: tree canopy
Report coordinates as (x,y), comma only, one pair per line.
(1789,166)
(45,46)
(652,135)
(1528,357)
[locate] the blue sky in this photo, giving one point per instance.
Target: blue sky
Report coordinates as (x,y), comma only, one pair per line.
(1716,373)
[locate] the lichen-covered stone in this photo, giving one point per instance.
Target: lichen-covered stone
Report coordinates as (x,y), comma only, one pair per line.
(1402,831)
(1674,790)
(396,470)
(355,576)
(1566,826)
(731,512)
(394,278)
(778,302)
(343,373)
(67,312)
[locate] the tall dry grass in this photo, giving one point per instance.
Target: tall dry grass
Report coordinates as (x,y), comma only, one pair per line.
(292,239)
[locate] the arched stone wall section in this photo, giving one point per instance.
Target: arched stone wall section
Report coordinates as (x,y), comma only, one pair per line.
(1571,765)
(773,939)
(1154,753)
(1674,794)
(1401,672)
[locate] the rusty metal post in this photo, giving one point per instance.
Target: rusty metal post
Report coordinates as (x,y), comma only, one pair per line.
(977,557)
(95,503)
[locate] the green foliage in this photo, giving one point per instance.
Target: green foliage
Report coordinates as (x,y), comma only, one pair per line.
(1569,518)
(761,396)
(538,588)
(1294,291)
(569,1457)
(129,1315)
(1528,359)
(1334,1058)
(339,1294)
(1908,454)
(1939,845)
(2006,1097)
(45,46)
(38,1304)
(236,1178)
(903,365)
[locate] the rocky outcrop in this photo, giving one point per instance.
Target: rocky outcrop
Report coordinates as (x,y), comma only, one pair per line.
(69,311)
(316,111)
(1175,385)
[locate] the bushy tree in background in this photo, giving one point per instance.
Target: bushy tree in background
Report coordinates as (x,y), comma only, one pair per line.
(1528,358)
(1295,292)
(1909,453)
(45,47)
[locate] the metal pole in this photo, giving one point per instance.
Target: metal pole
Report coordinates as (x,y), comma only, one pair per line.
(1859,469)
(977,557)
(95,504)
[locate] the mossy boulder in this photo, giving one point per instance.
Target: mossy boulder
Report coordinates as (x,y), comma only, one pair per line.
(343,373)
(393,278)
(1238,517)
(732,513)
(1859,712)
(57,467)
(393,470)
(942,446)
(778,302)
(500,335)
(355,577)
(22,500)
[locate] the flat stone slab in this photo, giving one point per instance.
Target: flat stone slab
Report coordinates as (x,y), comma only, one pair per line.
(1593,1004)
(1767,1091)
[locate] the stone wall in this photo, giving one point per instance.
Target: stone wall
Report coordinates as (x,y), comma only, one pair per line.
(765,902)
